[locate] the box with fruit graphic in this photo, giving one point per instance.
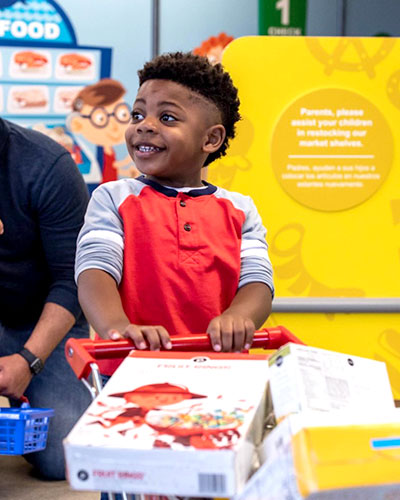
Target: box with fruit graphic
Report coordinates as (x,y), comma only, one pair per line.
(172,423)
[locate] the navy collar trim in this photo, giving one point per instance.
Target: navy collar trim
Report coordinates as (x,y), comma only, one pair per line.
(172,193)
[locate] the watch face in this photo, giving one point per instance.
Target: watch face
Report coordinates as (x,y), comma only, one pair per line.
(36,366)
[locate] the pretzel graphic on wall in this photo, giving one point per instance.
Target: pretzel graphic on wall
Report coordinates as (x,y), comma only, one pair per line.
(339,58)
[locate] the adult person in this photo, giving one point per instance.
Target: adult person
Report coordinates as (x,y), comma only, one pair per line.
(42,205)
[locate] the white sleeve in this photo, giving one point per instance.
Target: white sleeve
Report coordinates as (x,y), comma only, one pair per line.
(100,242)
(255,262)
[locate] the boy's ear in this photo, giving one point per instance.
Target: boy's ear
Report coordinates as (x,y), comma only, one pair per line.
(214,138)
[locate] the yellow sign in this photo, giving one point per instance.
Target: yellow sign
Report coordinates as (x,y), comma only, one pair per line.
(327,149)
(316,150)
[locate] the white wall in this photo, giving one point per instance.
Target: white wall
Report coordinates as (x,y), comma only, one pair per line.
(184,24)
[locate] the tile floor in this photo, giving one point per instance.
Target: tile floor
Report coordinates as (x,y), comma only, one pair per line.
(18,483)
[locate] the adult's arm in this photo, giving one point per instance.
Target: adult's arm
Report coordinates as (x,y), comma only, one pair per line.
(54,322)
(59,200)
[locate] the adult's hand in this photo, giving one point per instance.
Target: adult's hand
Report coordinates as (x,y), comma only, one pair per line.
(1,227)
(15,376)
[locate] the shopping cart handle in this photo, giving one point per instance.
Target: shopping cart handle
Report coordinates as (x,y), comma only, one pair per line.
(81,353)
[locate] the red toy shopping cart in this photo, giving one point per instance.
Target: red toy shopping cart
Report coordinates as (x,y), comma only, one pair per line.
(85,356)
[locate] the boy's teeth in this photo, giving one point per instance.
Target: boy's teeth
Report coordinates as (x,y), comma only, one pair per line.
(147,149)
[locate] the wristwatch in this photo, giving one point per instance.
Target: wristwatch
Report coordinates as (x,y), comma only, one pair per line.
(36,365)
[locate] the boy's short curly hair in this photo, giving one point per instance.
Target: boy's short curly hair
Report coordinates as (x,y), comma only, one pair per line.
(199,75)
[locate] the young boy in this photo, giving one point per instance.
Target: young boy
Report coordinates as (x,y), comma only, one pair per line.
(167,253)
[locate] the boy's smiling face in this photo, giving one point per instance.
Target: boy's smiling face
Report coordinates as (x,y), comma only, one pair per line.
(172,131)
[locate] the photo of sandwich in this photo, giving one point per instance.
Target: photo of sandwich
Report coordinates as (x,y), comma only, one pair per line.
(30,63)
(28,99)
(28,59)
(75,62)
(75,65)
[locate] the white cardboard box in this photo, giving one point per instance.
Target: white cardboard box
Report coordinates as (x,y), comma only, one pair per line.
(306,378)
(317,456)
(172,423)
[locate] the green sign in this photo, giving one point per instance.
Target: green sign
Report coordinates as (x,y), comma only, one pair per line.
(282,17)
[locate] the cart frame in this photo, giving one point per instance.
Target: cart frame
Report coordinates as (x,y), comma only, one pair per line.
(83,355)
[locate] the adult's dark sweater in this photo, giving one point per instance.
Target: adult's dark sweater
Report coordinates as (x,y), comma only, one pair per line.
(43,200)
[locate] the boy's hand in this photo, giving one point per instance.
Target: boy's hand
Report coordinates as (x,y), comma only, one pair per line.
(155,336)
(231,332)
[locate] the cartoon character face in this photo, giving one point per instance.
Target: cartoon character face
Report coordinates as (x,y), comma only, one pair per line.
(154,400)
(157,395)
(213,47)
(102,125)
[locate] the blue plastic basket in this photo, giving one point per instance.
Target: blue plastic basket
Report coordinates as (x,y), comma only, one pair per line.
(23,430)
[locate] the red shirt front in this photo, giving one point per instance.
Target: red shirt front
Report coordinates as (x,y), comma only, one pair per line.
(178,257)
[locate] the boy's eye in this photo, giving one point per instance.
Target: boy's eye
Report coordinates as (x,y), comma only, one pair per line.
(136,116)
(167,118)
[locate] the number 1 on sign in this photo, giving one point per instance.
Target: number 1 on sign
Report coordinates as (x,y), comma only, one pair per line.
(284,7)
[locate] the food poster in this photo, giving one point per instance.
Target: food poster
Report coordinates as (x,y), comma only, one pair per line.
(51,52)
(316,149)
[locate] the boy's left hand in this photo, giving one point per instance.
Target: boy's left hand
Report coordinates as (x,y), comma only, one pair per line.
(231,332)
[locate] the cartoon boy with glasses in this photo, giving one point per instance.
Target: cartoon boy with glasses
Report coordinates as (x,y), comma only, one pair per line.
(101,117)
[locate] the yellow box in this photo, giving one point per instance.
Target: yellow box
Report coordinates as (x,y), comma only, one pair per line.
(345,457)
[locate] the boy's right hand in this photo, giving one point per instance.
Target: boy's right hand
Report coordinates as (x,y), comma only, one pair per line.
(144,336)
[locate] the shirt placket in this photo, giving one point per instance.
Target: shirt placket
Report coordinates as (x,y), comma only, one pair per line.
(187,228)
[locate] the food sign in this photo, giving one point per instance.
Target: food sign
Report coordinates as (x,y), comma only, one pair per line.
(42,69)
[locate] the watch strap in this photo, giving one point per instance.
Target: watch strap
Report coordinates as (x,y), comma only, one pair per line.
(35,364)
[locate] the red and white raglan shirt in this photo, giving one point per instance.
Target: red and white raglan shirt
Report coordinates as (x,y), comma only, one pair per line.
(177,255)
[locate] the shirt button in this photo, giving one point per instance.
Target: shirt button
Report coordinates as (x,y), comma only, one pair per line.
(187,227)
(182,203)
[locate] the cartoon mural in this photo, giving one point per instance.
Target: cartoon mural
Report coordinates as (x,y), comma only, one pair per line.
(100,115)
(213,47)
(44,69)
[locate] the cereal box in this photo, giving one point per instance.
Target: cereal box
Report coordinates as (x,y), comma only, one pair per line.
(184,424)
(304,378)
